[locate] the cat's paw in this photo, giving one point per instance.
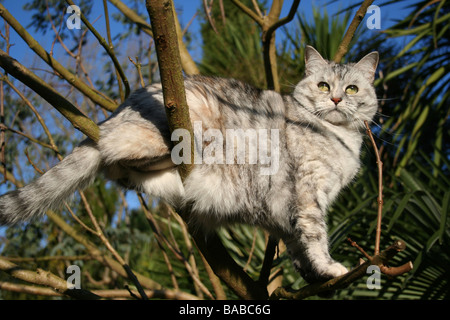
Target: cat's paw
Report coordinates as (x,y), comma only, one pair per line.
(333,270)
(324,272)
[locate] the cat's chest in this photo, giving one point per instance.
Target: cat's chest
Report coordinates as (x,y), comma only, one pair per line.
(322,153)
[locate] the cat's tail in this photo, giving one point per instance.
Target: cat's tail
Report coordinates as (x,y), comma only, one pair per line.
(77,171)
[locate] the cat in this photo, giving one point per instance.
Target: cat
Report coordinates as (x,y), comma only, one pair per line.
(319,132)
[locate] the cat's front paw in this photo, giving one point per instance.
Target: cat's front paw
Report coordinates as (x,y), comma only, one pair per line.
(325,272)
(334,270)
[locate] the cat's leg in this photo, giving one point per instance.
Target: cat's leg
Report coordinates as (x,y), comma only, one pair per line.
(138,157)
(308,246)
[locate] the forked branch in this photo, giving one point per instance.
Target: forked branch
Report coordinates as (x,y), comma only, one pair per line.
(269,24)
(343,281)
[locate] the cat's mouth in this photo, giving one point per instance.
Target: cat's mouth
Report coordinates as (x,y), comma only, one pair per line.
(336,116)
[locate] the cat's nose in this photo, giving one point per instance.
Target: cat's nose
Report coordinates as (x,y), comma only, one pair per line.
(336,100)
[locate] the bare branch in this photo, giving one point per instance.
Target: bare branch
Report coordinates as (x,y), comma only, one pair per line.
(110,294)
(359,16)
(189,66)
(46,278)
(161,14)
(268,260)
(343,281)
(258,19)
(108,245)
(97,254)
(108,48)
(268,25)
(380,189)
(208,15)
(67,109)
(44,55)
(138,66)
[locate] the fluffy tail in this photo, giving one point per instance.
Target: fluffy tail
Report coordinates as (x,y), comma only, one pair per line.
(76,171)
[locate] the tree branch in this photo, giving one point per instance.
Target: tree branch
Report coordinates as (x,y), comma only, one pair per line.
(268,25)
(108,48)
(110,294)
(163,26)
(46,278)
(343,281)
(359,16)
(269,254)
(98,255)
(67,109)
(189,66)
(226,268)
(44,55)
(258,19)
(380,188)
(166,43)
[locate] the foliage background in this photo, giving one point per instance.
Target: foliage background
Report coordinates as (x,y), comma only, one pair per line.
(411,127)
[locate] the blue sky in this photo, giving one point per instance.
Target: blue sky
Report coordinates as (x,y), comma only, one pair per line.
(186,10)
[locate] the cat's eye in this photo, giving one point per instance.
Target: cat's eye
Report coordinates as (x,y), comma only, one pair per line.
(351,89)
(323,86)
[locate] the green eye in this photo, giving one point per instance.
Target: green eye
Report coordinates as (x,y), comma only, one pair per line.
(351,89)
(323,86)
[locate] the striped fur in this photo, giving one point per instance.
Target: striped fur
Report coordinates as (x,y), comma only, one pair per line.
(319,146)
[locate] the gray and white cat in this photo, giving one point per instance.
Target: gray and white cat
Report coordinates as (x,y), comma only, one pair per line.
(316,146)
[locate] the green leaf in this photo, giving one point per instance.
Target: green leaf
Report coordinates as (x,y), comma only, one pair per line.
(410,181)
(399,210)
(398,72)
(444,214)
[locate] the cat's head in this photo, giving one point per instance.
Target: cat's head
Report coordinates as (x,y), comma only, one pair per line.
(340,94)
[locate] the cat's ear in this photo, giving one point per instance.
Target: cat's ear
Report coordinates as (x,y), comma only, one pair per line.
(313,60)
(368,65)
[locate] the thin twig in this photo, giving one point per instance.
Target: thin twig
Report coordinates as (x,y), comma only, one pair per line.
(161,239)
(189,66)
(108,245)
(380,189)
(354,244)
(45,145)
(256,6)
(111,46)
(48,258)
(41,277)
(32,163)
(222,12)
(108,48)
(36,113)
(255,16)
(138,66)
(110,293)
(269,24)
(71,78)
(252,249)
(52,96)
(208,15)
